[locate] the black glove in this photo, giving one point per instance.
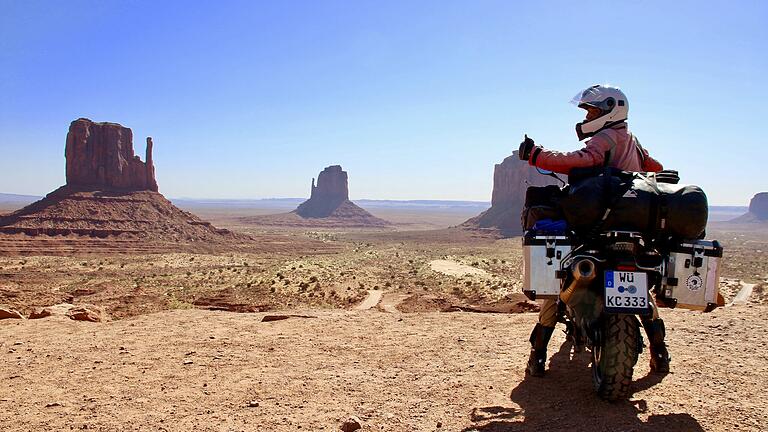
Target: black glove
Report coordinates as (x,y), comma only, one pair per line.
(526,147)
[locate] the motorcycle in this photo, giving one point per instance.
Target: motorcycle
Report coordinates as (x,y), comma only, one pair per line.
(605,278)
(607,283)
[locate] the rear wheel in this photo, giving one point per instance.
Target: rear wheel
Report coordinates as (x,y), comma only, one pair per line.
(614,359)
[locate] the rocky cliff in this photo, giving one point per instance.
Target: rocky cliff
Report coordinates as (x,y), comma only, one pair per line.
(328,206)
(758,206)
(110,194)
(330,192)
(100,156)
(511,178)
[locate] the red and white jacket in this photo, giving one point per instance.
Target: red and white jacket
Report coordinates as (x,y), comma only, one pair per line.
(617,144)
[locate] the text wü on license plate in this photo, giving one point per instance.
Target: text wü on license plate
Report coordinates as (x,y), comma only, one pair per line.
(626,290)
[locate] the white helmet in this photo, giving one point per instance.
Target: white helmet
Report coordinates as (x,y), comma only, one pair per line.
(611,102)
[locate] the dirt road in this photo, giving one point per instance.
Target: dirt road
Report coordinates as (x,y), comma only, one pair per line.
(220,371)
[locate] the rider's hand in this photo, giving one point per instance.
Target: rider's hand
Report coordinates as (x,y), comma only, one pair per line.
(526,147)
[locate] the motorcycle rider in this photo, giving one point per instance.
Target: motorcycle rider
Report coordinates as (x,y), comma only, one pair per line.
(611,144)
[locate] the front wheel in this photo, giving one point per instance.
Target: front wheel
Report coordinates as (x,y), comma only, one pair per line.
(614,358)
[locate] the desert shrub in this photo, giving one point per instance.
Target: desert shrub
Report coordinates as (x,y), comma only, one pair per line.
(174,303)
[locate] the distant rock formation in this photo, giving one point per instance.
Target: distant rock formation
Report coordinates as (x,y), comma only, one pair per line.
(511,179)
(100,156)
(112,193)
(758,210)
(331,192)
(328,206)
(758,206)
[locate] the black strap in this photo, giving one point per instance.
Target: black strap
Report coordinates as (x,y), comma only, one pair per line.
(609,153)
(657,217)
(639,149)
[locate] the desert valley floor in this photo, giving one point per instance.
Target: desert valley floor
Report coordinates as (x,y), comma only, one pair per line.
(405,329)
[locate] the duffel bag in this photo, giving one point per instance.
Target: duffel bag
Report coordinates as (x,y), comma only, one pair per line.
(636,202)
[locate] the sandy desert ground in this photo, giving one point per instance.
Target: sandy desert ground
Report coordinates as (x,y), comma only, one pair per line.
(182,345)
(220,371)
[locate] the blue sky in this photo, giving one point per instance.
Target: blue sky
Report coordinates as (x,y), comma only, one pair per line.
(415,99)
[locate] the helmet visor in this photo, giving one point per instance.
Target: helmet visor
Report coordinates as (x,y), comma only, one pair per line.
(591,95)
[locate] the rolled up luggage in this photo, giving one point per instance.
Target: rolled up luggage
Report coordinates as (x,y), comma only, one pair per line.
(617,200)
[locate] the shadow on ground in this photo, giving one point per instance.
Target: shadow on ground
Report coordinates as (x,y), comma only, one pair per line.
(565,400)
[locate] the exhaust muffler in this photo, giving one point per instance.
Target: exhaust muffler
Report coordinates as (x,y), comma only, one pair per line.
(583,272)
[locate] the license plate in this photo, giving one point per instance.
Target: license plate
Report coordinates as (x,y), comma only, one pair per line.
(626,291)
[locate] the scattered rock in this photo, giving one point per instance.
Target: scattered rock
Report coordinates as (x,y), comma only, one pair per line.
(188,362)
(55,310)
(351,424)
(268,318)
(39,312)
(85,313)
(8,313)
(223,302)
(253,404)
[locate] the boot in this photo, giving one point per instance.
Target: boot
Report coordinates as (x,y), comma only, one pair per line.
(659,355)
(538,358)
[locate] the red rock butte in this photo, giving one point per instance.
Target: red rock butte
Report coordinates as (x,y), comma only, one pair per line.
(758,206)
(511,179)
(100,156)
(110,194)
(328,206)
(332,191)
(758,209)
